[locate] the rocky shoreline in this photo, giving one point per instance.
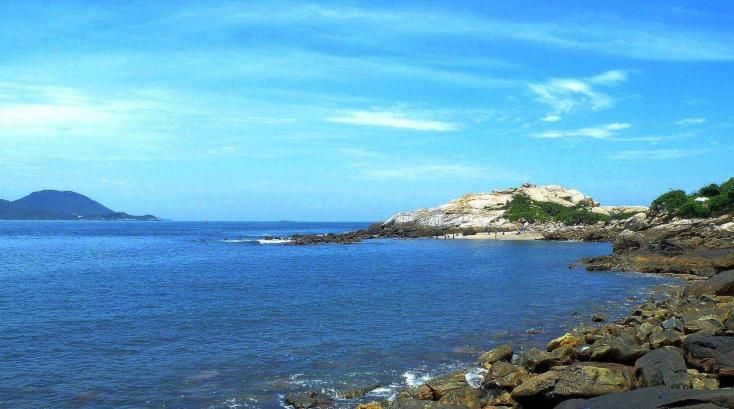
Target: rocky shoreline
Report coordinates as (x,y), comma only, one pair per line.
(677,351)
(674,353)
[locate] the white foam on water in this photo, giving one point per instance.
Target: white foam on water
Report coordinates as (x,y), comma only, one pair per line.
(273,241)
(238,241)
(474,377)
(384,391)
(414,379)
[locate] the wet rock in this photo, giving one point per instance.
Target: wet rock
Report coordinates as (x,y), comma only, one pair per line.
(664,366)
(712,354)
(567,339)
(465,397)
(720,284)
(598,317)
(311,399)
(357,392)
(575,381)
(622,348)
(436,388)
(501,353)
(657,397)
(504,375)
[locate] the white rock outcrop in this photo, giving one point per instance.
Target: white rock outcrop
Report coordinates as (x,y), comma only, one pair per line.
(483,210)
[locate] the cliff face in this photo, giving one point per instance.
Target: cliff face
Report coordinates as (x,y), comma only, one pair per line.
(489,210)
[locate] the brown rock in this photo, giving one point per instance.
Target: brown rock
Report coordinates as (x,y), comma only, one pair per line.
(567,339)
(504,375)
(575,381)
(501,353)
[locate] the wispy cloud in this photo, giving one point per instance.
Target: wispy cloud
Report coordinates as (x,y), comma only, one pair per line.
(691,121)
(614,36)
(551,118)
(656,154)
(566,95)
(393,120)
(607,131)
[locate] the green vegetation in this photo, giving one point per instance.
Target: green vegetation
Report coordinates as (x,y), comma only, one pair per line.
(718,200)
(522,208)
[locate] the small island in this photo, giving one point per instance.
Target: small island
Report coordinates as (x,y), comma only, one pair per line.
(62,205)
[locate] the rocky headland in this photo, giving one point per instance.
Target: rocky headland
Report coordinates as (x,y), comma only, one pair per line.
(674,352)
(62,205)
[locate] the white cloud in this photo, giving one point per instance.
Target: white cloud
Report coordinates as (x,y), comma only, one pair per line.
(691,121)
(566,95)
(393,120)
(551,118)
(657,154)
(608,131)
(610,77)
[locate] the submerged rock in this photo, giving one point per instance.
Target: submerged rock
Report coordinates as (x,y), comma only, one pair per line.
(658,397)
(311,399)
(358,392)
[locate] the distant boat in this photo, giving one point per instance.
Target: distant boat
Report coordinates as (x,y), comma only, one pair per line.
(286,221)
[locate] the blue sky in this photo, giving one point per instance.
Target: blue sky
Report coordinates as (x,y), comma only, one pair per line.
(354,110)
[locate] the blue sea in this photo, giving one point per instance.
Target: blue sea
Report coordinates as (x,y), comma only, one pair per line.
(195,315)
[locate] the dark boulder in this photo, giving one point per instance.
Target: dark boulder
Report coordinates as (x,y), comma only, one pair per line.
(311,399)
(664,366)
(658,397)
(720,284)
(712,354)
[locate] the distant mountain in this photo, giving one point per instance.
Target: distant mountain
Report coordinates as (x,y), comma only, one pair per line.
(61,205)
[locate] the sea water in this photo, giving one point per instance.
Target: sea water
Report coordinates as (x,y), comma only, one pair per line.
(215,315)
